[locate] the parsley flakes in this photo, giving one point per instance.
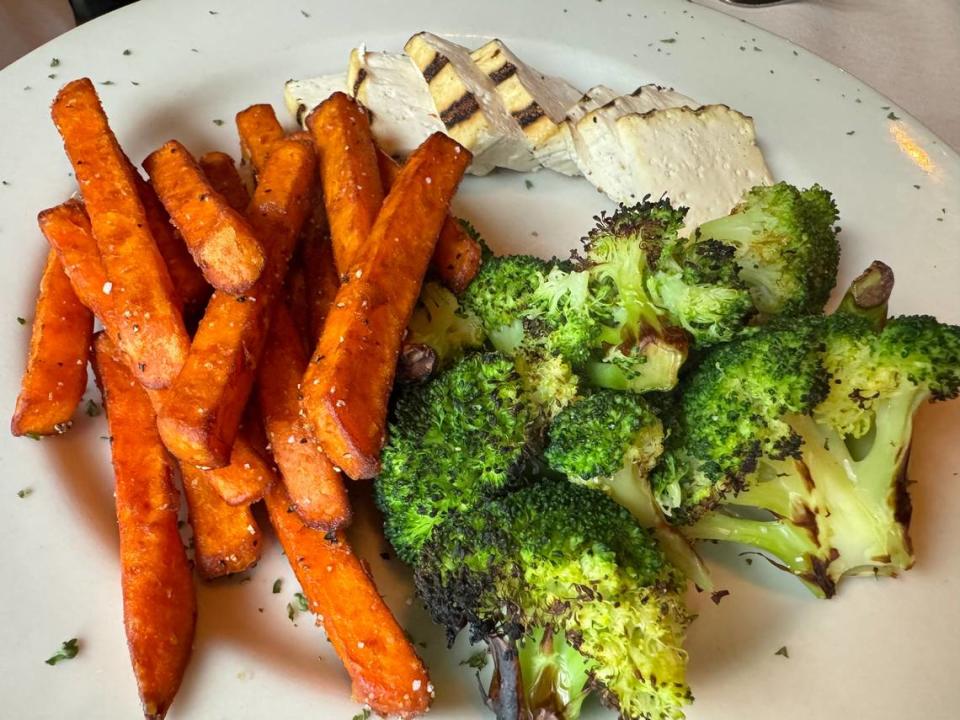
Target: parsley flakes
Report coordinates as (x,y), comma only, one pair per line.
(478,661)
(300,602)
(68,650)
(277,584)
(25,492)
(93,409)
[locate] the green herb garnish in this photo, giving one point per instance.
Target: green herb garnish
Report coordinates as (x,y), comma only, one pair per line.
(277,584)
(68,650)
(478,661)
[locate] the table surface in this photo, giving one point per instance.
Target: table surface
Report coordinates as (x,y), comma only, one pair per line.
(909,51)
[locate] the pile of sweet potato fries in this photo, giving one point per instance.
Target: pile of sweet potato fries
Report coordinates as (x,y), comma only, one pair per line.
(250,342)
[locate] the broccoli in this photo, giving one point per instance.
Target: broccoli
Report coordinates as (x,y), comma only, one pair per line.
(439,323)
(501,296)
(610,441)
(453,440)
(473,431)
(642,349)
(785,242)
(587,594)
(700,287)
(812,424)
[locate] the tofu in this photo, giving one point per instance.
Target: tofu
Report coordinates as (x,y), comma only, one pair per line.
(469,106)
(598,150)
(652,97)
(538,103)
(704,159)
(392,88)
(557,153)
(302,96)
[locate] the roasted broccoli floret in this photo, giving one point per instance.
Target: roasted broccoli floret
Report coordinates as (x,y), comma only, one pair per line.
(610,441)
(453,441)
(587,593)
(441,324)
(785,241)
(501,297)
(810,422)
(641,349)
(699,286)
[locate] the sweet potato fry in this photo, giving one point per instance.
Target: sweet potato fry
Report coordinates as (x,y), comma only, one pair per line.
(316,269)
(259,129)
(56,374)
(245,479)
(67,229)
(296,299)
(383,666)
(316,490)
(159,605)
(200,423)
(219,238)
(223,176)
(322,281)
(226,538)
(191,287)
(456,259)
(151,329)
(347,385)
(347,158)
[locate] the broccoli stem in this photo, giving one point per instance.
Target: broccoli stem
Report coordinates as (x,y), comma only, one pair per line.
(631,490)
(792,546)
(555,675)
(868,294)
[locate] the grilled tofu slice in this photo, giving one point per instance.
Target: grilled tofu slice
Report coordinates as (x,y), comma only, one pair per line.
(705,159)
(469,106)
(598,150)
(302,96)
(392,88)
(538,103)
(557,152)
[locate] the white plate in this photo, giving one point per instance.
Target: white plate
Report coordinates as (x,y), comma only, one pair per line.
(885,650)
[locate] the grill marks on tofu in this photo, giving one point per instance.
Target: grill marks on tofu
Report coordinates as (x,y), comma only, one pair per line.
(469,105)
(537,102)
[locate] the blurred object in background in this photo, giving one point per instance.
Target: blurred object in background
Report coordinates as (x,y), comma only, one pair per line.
(85,10)
(26,24)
